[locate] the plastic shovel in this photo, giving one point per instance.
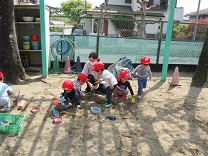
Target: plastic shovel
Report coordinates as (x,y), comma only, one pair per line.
(55,112)
(133,100)
(61,99)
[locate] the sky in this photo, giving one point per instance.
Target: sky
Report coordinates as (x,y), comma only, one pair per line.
(188,5)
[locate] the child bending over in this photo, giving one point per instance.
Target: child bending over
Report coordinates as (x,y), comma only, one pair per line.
(123,86)
(110,80)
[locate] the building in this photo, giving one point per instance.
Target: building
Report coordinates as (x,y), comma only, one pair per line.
(203,14)
(111,8)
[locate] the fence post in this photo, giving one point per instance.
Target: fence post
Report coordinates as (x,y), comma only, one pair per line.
(159,42)
(171,10)
(98,36)
(73,39)
(43,39)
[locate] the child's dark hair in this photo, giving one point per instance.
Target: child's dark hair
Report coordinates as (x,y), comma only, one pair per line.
(94,55)
(1,79)
(101,69)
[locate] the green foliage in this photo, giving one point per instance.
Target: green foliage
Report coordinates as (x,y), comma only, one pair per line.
(58,18)
(180,28)
(64,19)
(74,9)
(123,22)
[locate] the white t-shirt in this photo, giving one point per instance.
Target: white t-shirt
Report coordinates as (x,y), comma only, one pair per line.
(106,75)
(88,70)
(4,89)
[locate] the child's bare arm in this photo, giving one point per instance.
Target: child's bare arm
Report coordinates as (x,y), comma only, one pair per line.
(90,85)
(98,81)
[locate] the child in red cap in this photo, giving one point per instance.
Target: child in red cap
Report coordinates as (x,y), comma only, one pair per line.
(110,80)
(5,92)
(70,94)
(82,79)
(123,86)
(142,72)
(93,83)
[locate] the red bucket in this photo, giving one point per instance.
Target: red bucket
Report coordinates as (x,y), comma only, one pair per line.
(34,37)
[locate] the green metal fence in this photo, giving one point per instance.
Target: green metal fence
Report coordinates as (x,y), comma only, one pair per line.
(116,42)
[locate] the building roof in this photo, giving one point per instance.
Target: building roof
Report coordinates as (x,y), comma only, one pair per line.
(121,10)
(59,24)
(201,12)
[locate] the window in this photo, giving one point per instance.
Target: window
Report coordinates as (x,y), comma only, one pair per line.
(156,2)
(128,1)
(203,16)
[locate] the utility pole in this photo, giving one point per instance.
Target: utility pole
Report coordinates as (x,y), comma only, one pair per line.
(85,6)
(196,22)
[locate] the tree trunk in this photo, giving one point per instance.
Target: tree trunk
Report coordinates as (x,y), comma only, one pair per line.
(10,63)
(141,25)
(200,75)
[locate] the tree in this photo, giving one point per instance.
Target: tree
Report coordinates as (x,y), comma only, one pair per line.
(200,75)
(141,25)
(74,9)
(10,63)
(124,25)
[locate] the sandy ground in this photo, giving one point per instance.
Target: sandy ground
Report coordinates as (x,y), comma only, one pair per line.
(167,121)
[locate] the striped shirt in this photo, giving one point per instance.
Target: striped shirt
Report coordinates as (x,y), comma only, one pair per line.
(78,86)
(142,73)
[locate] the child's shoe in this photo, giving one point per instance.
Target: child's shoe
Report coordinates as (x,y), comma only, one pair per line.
(115,96)
(7,110)
(78,106)
(139,96)
(107,105)
(123,97)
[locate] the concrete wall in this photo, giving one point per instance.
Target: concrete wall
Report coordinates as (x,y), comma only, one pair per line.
(193,19)
(118,2)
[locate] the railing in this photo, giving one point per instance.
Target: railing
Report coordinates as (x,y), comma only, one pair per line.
(113,42)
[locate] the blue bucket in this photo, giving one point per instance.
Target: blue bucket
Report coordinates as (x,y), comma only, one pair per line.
(35,47)
(25,38)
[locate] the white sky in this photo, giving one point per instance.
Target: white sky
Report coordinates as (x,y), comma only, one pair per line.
(192,5)
(188,5)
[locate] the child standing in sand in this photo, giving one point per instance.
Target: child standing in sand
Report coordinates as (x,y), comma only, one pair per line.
(142,72)
(110,80)
(123,86)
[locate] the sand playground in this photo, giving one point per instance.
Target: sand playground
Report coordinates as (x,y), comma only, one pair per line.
(166,121)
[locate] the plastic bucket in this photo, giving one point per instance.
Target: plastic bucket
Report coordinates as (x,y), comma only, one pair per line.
(26,46)
(26,43)
(25,38)
(34,37)
(35,47)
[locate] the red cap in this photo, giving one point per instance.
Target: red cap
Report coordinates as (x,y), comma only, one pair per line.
(145,60)
(123,74)
(1,75)
(98,66)
(68,85)
(83,77)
